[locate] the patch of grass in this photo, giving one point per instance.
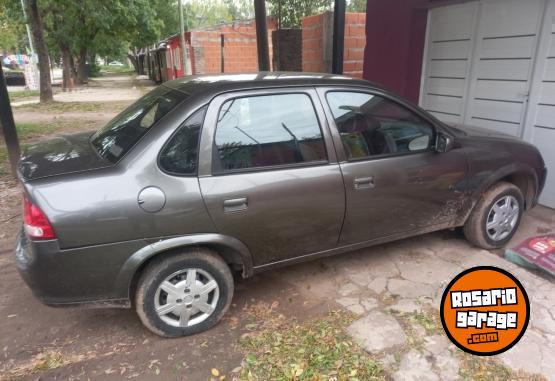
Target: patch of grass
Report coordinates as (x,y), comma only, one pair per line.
(18,95)
(4,164)
(430,322)
(40,363)
(117,69)
(25,132)
(315,350)
(490,369)
(47,360)
(28,130)
(63,106)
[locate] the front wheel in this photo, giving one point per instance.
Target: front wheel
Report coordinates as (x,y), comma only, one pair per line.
(495,217)
(185,293)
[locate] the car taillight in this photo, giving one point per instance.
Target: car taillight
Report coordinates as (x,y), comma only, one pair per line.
(35,223)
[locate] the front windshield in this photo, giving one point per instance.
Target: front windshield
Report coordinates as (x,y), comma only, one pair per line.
(122,132)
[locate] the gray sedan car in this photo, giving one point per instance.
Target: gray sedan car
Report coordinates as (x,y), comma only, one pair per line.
(207,176)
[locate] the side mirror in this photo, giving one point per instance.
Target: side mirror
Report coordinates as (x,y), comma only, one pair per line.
(444,142)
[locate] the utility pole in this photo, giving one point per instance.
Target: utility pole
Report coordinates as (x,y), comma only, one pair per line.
(23,6)
(338,36)
(182,39)
(262,35)
(8,125)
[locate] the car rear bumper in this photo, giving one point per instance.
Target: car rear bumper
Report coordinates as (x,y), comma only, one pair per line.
(83,276)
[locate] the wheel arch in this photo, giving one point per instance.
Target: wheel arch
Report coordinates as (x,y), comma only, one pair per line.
(520,175)
(231,250)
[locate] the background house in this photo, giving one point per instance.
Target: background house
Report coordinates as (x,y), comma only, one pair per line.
(489,63)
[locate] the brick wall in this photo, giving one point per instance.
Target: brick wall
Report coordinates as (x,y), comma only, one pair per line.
(313,44)
(355,41)
(287,49)
(317,43)
(240,52)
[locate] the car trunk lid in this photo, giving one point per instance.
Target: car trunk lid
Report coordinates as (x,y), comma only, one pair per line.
(60,155)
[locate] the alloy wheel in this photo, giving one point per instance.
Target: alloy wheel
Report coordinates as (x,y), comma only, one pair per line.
(186,297)
(502,218)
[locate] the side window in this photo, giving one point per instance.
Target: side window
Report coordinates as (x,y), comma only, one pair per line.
(269,130)
(371,125)
(180,155)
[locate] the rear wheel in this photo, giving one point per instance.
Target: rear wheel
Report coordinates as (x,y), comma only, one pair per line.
(495,217)
(185,293)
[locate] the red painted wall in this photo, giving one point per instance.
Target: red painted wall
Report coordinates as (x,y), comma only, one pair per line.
(395,37)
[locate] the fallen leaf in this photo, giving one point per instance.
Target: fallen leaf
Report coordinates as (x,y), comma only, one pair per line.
(215,372)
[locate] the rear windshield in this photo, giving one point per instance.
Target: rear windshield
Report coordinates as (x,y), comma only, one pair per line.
(122,132)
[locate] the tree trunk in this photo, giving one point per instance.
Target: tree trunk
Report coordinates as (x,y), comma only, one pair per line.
(82,74)
(73,69)
(134,62)
(68,82)
(42,52)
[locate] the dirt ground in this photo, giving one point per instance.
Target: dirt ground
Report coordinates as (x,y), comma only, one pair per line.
(39,342)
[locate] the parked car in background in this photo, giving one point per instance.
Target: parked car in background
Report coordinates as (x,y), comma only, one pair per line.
(115,63)
(210,175)
(14,77)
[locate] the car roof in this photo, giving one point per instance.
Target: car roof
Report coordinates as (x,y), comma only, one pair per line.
(215,83)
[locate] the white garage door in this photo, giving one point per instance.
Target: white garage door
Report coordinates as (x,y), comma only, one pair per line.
(481,68)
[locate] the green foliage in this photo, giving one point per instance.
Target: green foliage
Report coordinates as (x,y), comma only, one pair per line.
(166,12)
(357,6)
(13,37)
(60,107)
(293,11)
(117,69)
(205,13)
(18,95)
(240,9)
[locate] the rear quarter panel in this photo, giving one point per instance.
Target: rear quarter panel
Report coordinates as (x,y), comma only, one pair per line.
(101,206)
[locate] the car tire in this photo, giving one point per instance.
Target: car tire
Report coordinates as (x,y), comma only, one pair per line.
(184,294)
(480,228)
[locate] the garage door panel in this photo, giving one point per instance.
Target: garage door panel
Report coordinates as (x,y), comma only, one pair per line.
(446,86)
(450,50)
(545,116)
(453,23)
(513,47)
(446,118)
(449,68)
(551,51)
(549,74)
(544,139)
(448,105)
(503,69)
(505,128)
(507,87)
(510,17)
(498,111)
(501,90)
(547,93)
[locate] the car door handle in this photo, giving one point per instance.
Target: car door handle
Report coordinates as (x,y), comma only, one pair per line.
(364,183)
(235,204)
